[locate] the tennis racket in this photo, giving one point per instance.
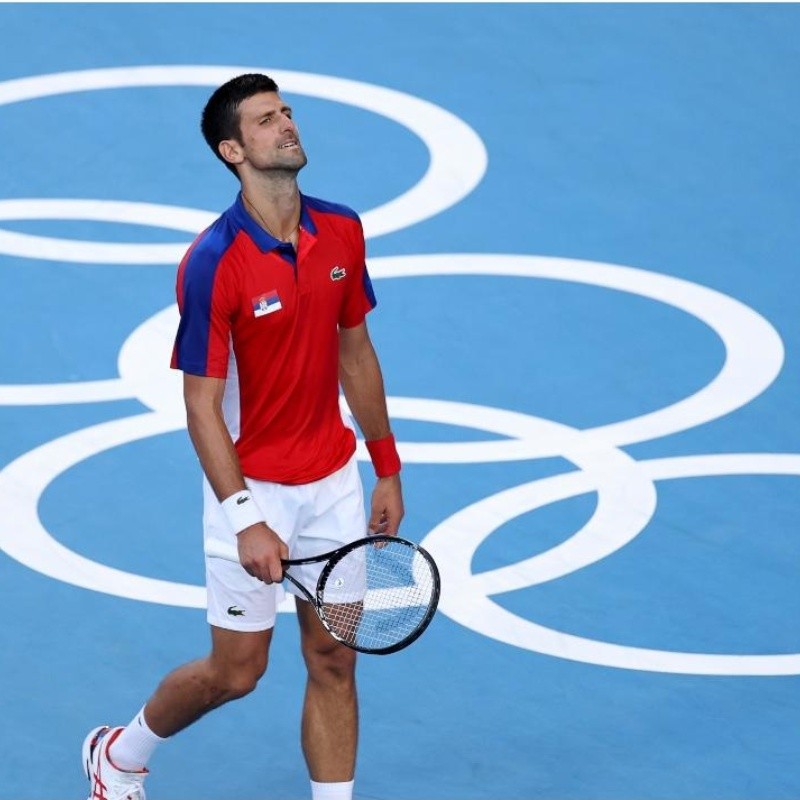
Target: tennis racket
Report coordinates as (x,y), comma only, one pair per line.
(375,595)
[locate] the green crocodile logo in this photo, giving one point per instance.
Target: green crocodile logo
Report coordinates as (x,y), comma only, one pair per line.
(235,612)
(337,273)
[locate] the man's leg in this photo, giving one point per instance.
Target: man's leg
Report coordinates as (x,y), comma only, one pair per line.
(330,711)
(115,759)
(232,669)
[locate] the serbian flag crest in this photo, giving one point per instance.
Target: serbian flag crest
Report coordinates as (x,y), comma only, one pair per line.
(266,303)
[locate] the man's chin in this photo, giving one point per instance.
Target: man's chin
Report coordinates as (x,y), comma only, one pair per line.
(296,163)
(286,168)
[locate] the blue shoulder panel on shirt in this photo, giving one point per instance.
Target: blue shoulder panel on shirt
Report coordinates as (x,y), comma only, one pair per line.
(198,285)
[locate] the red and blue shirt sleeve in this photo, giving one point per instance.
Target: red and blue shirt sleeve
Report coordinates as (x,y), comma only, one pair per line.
(207,302)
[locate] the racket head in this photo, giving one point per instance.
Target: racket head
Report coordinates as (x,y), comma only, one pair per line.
(378,595)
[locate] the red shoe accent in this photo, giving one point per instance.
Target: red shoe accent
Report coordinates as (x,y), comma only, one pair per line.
(111,740)
(99,791)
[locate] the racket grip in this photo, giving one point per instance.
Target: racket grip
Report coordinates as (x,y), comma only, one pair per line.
(215,548)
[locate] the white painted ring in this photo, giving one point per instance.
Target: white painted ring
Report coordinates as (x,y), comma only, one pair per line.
(458,158)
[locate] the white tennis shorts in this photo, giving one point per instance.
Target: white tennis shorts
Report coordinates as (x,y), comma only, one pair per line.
(312,519)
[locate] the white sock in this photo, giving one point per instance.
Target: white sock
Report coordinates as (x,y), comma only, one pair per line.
(133,747)
(332,791)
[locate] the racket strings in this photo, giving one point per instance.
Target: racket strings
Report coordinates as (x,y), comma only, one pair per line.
(378,595)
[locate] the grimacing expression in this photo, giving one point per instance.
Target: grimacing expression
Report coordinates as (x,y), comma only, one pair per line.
(269,136)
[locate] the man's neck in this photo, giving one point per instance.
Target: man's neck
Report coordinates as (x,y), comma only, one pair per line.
(274,204)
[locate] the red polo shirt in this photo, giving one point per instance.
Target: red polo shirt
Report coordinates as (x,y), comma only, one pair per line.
(266,318)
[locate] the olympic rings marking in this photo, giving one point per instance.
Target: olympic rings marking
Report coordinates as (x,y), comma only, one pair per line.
(625,489)
(458,157)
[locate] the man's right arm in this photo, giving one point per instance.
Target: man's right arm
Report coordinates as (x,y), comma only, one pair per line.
(260,548)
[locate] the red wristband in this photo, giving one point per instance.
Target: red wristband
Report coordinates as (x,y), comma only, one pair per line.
(385,459)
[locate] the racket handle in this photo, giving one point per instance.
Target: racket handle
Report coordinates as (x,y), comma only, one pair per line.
(215,548)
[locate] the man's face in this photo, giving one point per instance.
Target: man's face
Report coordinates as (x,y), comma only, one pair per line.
(270,139)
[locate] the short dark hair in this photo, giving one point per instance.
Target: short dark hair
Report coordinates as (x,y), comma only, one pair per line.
(220,120)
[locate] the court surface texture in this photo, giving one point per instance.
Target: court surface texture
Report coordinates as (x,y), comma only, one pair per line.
(582,229)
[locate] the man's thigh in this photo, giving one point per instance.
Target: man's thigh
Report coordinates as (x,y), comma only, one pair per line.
(240,650)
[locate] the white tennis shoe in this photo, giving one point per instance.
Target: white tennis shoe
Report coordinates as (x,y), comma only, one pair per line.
(107,782)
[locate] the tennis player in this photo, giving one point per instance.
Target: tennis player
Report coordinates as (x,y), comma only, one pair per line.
(273,299)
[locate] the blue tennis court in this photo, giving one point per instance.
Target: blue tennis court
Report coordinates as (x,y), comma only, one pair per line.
(582,228)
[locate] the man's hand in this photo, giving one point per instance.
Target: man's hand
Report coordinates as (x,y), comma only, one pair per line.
(261,551)
(387,506)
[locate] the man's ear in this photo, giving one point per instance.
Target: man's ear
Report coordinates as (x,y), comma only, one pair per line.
(231,151)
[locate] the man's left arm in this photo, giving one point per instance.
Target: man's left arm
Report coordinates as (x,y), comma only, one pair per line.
(362,384)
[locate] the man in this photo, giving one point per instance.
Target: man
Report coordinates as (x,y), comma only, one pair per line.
(273,299)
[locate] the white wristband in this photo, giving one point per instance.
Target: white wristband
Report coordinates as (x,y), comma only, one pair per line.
(241,511)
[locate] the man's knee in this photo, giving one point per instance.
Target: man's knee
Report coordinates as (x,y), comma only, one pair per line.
(236,681)
(328,660)
(238,663)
